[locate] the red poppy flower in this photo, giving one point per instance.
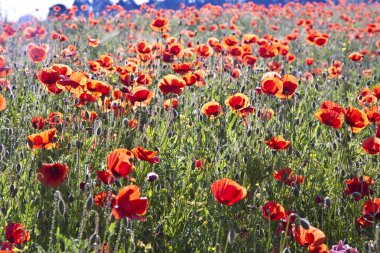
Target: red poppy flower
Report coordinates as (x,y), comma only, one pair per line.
(356,56)
(120,162)
(285,176)
(104,198)
(92,42)
(359,187)
(160,24)
(52,174)
(237,101)
(329,118)
(321,41)
(171,102)
(289,86)
(182,68)
(129,204)
(212,109)
(312,236)
(309,61)
(329,105)
(228,192)
(49,78)
(373,114)
(42,140)
(321,248)
(38,122)
(171,84)
(143,47)
(267,51)
(105,176)
(356,119)
(140,95)
(37,53)
(16,233)
(3,103)
(146,155)
(278,143)
(203,50)
(273,211)
(271,85)
(371,145)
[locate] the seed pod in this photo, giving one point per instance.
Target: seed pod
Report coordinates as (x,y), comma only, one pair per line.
(231,236)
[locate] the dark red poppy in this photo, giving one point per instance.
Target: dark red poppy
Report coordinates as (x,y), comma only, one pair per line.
(228,192)
(359,187)
(16,233)
(329,118)
(52,174)
(105,198)
(38,122)
(129,204)
(105,176)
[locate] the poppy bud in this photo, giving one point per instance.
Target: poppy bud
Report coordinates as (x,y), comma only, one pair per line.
(231,236)
(99,131)
(286,250)
(18,168)
(318,199)
(78,144)
(327,201)
(89,203)
(304,223)
(151,177)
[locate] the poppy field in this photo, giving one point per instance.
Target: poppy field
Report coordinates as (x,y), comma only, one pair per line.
(234,128)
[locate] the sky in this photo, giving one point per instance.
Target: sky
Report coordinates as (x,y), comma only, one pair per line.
(14,9)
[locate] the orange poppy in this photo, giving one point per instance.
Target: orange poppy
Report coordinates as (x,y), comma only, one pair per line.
(37,53)
(356,119)
(160,24)
(3,103)
(278,143)
(92,42)
(203,50)
(52,174)
(42,140)
(171,84)
(237,101)
(289,86)
(129,204)
(312,236)
(267,51)
(212,109)
(355,56)
(228,192)
(271,85)
(373,114)
(120,163)
(171,103)
(146,155)
(322,248)
(329,118)
(273,211)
